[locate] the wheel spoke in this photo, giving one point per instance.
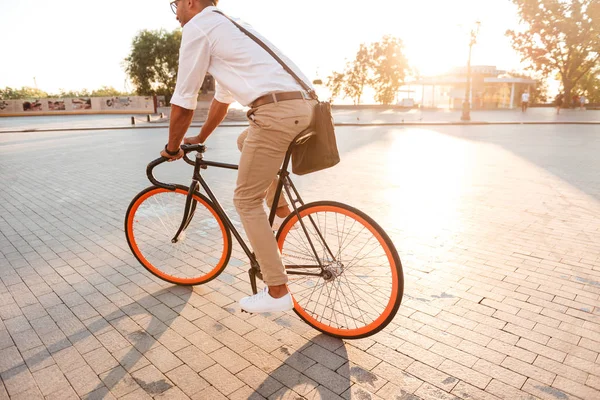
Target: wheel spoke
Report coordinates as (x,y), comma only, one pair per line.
(358,283)
(200,247)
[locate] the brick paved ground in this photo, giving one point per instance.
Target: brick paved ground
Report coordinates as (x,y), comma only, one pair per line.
(498,229)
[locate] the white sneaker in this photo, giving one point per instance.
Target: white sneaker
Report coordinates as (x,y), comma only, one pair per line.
(262,302)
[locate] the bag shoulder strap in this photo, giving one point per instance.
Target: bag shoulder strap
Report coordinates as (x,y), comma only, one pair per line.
(308,89)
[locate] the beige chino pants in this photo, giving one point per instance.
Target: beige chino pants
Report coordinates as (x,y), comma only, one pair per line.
(263,145)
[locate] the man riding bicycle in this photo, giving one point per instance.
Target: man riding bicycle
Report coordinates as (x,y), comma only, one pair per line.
(279,110)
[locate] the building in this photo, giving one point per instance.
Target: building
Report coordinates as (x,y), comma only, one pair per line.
(490,89)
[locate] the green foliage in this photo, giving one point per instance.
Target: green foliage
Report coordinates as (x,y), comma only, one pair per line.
(25,92)
(108,91)
(589,86)
(381,65)
(357,74)
(153,62)
(65,94)
(559,36)
(390,68)
(335,83)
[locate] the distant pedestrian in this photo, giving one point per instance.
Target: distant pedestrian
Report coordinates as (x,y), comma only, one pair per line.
(582,102)
(524,101)
(558,101)
(575,100)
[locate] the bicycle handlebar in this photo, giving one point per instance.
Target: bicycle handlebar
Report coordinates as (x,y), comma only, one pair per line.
(187,148)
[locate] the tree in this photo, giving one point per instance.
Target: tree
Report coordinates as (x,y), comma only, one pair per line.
(390,67)
(107,91)
(71,93)
(9,93)
(25,92)
(153,62)
(335,83)
(559,36)
(357,74)
(351,83)
(381,65)
(589,86)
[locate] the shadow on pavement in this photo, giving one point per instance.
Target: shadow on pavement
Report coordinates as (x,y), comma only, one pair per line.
(141,339)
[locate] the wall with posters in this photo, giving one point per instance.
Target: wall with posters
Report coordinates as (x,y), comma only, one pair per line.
(81,105)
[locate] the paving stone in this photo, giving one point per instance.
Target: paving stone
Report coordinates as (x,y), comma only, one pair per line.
(18,380)
(429,392)
(432,376)
(259,381)
(50,380)
(393,391)
(294,380)
(209,393)
(246,393)
(573,373)
(37,358)
(66,393)
(30,394)
(100,393)
(529,370)
(187,380)
(162,358)
(325,357)
(151,380)
(539,390)
(118,381)
(221,379)
(230,360)
(84,380)
(465,391)
(502,374)
(574,388)
(9,359)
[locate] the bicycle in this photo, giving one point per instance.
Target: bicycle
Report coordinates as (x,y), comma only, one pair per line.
(344,272)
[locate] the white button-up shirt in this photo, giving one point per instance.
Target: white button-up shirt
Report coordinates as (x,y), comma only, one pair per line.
(243,70)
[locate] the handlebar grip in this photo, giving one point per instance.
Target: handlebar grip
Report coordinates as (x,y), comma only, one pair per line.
(200,148)
(151,177)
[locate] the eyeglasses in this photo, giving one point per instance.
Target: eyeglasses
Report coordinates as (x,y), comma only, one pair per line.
(173,5)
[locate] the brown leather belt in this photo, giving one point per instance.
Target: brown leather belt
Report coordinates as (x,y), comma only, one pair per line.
(276,97)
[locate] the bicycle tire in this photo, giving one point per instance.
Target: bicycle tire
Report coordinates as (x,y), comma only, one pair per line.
(149,236)
(290,246)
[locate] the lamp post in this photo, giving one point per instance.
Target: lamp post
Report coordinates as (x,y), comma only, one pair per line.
(466,110)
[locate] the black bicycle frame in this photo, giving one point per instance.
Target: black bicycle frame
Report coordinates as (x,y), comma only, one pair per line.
(284,182)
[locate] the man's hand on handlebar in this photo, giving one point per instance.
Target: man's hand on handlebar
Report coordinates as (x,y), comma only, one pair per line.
(192,140)
(170,155)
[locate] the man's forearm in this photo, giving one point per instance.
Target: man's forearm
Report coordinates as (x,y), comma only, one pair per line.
(181,120)
(216,114)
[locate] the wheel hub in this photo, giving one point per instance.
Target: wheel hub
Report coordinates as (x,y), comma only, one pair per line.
(332,271)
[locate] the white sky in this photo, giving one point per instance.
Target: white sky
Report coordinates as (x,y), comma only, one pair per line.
(76,44)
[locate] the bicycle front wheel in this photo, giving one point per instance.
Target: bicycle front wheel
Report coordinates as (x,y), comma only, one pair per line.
(361,284)
(200,252)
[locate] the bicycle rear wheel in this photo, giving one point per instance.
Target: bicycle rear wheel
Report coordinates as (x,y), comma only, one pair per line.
(362,286)
(201,251)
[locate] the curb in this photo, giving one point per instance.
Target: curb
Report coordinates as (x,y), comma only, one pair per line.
(341,124)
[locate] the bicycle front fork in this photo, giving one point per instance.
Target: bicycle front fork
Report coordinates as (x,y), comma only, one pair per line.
(188,213)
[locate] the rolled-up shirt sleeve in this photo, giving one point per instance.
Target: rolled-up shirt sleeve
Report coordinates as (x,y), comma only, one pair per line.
(194,59)
(223,95)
